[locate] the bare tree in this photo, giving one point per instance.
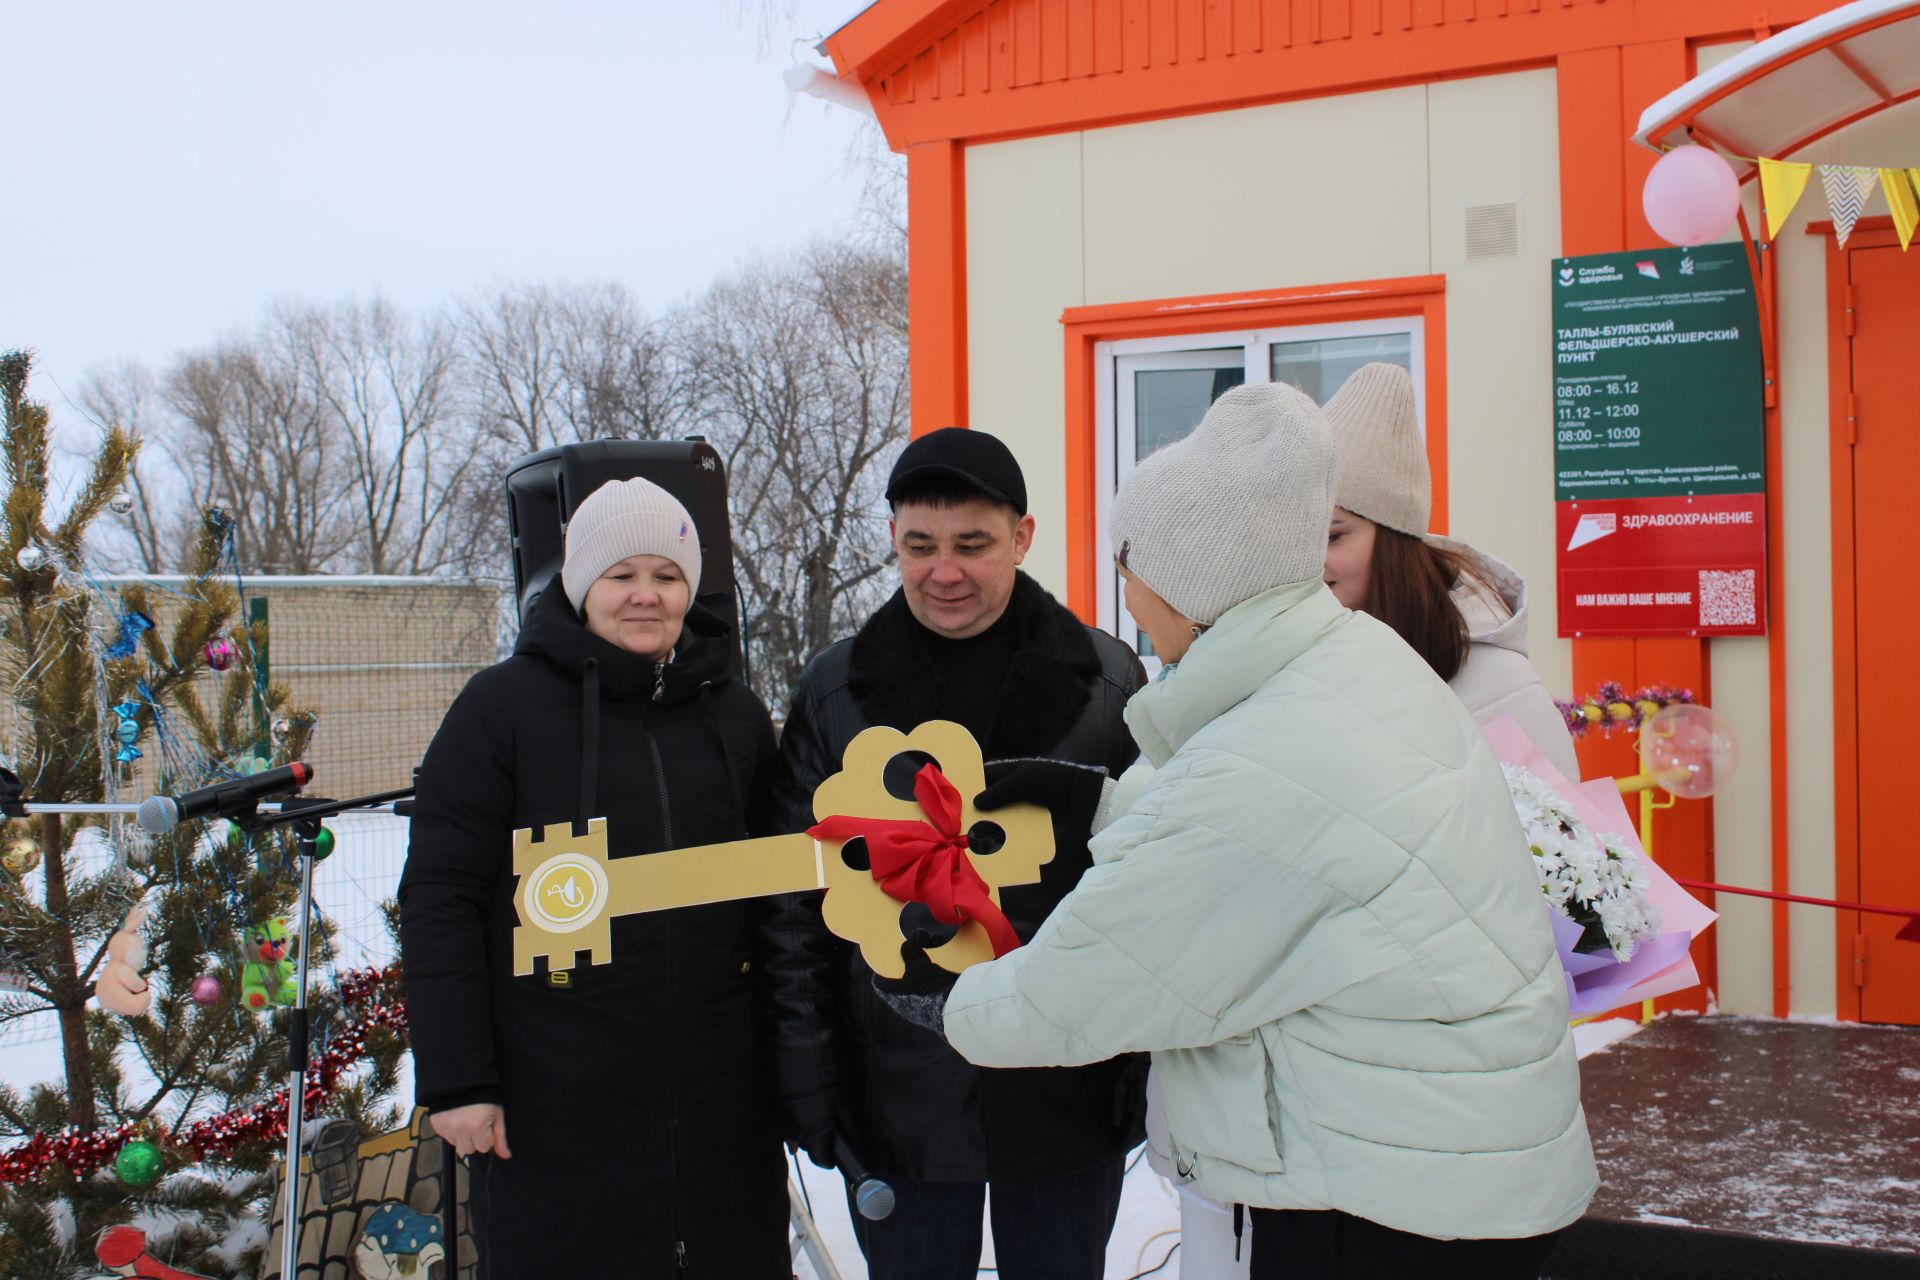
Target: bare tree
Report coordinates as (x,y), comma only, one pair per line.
(254,437)
(624,374)
(153,533)
(802,368)
(388,382)
(515,374)
(556,364)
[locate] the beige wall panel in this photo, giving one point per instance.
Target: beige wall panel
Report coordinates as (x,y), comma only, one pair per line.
(1807,610)
(1742,828)
(1270,197)
(1023,269)
(1499,379)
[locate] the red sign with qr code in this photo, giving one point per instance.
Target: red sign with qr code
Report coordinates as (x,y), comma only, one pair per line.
(1669,566)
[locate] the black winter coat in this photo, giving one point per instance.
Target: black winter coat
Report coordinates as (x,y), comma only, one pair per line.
(916,1108)
(637,1104)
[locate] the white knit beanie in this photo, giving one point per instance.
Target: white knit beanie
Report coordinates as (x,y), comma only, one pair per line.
(627,518)
(1383,463)
(1237,508)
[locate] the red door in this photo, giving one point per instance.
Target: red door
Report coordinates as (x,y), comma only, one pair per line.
(1886,537)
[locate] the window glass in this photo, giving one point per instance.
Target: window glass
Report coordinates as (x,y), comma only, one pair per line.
(1320,366)
(1158,389)
(1169,403)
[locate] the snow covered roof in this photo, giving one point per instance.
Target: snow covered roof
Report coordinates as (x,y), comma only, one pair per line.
(1793,88)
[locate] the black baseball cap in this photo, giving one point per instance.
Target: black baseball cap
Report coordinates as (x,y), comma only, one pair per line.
(974,458)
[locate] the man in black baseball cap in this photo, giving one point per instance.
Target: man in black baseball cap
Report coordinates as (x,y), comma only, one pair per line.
(969,638)
(977,461)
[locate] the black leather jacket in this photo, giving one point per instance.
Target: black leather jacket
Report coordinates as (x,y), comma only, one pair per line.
(913,1106)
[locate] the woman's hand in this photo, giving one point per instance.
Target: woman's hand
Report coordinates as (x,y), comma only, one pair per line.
(481,1126)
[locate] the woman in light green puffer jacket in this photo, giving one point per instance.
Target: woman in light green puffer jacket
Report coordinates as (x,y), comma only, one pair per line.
(1320,916)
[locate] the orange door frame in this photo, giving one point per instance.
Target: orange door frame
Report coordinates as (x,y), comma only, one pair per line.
(1086,327)
(1868,233)
(1602,92)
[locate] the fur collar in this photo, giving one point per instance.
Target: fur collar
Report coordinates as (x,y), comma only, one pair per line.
(1048,681)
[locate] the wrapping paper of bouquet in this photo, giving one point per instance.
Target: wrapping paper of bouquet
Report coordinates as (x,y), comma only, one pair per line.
(1622,925)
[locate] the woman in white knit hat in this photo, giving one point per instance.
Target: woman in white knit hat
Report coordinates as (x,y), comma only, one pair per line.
(616,1109)
(1319,915)
(1462,610)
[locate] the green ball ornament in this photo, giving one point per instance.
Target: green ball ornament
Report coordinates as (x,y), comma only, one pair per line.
(139,1163)
(322,845)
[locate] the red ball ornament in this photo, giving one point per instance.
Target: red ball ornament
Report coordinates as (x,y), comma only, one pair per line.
(205,989)
(220,653)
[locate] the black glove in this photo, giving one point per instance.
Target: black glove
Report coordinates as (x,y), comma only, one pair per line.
(1069,792)
(816,1121)
(812,1123)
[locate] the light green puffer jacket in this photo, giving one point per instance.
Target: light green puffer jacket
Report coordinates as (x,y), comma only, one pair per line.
(1321,918)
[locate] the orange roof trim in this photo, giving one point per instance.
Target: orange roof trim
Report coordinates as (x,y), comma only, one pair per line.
(969,70)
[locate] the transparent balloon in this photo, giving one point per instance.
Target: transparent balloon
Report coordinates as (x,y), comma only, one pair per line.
(1690,751)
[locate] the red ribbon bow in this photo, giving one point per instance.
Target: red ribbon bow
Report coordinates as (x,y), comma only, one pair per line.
(926,861)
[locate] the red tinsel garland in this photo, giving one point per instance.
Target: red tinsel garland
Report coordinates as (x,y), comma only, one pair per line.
(219,1136)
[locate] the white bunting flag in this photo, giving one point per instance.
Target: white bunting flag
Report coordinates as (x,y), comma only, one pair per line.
(1847,187)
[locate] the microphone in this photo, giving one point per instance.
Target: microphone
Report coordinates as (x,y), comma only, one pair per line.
(161,814)
(871,1195)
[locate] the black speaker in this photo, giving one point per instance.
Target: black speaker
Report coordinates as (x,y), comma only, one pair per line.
(544,489)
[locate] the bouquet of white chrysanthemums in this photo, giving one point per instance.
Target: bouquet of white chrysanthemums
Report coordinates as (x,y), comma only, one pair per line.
(1595,879)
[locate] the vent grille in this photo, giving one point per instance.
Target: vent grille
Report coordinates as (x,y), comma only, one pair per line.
(1493,231)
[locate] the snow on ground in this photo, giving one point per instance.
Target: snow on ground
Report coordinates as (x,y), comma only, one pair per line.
(1789,1128)
(1148,1226)
(1598,1037)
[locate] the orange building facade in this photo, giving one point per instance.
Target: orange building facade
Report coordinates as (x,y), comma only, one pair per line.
(1114,204)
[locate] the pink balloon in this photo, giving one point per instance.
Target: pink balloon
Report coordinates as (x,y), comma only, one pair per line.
(1691,195)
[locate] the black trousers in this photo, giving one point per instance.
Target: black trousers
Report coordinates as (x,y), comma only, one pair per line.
(1051,1230)
(1302,1244)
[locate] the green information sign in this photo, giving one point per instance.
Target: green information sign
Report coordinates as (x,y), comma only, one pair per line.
(1656,372)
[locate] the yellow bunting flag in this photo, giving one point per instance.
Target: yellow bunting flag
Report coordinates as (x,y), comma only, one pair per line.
(1901,202)
(1781,182)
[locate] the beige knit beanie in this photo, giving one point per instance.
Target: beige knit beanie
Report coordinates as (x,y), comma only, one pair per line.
(627,518)
(1237,508)
(1383,463)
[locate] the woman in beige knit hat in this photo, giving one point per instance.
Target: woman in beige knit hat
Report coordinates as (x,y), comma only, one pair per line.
(1314,906)
(613,1105)
(1462,610)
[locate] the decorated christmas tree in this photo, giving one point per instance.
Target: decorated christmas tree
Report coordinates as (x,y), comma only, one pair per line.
(164,961)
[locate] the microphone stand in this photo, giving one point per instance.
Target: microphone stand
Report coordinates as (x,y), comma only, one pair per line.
(304,815)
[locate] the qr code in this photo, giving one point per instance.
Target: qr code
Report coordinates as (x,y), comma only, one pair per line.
(1726,598)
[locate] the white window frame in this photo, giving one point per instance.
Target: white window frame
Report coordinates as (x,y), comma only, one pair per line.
(1114,457)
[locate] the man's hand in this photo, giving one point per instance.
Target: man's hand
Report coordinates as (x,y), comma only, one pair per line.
(813,1123)
(1069,792)
(481,1126)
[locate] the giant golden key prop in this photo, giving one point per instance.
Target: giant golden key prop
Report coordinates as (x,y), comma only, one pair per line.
(570,890)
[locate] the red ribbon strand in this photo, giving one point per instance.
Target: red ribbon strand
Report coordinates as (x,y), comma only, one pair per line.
(926,861)
(1910,932)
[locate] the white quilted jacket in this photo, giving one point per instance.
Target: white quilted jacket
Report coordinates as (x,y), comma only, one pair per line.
(1321,919)
(1497,679)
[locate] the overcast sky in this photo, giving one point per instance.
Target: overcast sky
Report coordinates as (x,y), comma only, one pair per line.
(169,169)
